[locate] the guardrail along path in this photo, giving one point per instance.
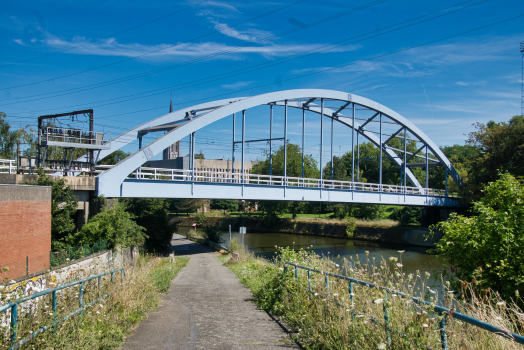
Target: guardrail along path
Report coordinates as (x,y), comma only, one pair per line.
(207,308)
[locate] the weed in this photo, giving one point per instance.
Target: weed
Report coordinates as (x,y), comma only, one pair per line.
(334,319)
(104,324)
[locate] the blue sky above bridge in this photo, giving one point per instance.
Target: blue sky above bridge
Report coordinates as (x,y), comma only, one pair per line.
(124,60)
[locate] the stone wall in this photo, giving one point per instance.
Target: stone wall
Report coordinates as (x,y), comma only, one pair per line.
(404,235)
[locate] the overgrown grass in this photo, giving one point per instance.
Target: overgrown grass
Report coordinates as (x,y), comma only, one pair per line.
(331,320)
(165,271)
(103,325)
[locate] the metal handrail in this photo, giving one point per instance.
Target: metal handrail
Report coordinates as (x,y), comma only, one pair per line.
(148,173)
(14,305)
(442,311)
(75,135)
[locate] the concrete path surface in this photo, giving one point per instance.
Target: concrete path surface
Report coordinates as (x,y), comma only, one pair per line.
(207,308)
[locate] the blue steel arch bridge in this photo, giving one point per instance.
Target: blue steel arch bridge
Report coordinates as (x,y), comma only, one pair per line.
(361,118)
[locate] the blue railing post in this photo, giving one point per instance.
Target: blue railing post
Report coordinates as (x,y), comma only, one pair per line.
(443,335)
(14,323)
(309,279)
(82,297)
(112,274)
(285,268)
(386,319)
(55,309)
(296,272)
(99,286)
(351,298)
(327,286)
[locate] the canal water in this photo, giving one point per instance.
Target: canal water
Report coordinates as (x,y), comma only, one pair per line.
(263,244)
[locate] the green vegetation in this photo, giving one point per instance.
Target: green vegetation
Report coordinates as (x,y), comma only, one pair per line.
(501,149)
(486,247)
(114,225)
(152,214)
(330,320)
(114,157)
(63,207)
(8,139)
(213,233)
(103,325)
(224,204)
(166,271)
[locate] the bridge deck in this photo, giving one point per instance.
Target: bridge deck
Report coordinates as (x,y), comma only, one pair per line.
(177,183)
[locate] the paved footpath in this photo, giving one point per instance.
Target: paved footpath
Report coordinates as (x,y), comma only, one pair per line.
(207,308)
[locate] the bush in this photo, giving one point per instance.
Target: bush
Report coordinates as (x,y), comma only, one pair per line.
(487,248)
(351,227)
(114,225)
(200,219)
(151,213)
(212,233)
(234,245)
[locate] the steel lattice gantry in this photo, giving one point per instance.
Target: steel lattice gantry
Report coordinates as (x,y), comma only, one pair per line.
(354,112)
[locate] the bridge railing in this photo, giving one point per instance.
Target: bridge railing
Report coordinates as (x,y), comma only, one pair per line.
(16,307)
(444,314)
(8,166)
(146,173)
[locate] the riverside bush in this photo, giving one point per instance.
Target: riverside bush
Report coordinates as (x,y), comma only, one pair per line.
(331,320)
(104,324)
(487,247)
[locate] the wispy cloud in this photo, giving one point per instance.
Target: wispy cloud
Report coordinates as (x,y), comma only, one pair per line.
(470,83)
(111,47)
(237,85)
(250,35)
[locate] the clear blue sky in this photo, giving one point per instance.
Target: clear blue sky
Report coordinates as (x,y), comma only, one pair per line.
(59,56)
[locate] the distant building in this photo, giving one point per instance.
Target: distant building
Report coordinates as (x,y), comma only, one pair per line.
(216,165)
(173,151)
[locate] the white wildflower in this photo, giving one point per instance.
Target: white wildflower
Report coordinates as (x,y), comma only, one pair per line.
(425,325)
(378,301)
(381,346)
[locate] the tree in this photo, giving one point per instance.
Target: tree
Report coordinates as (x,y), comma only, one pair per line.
(501,149)
(63,206)
(224,204)
(8,139)
(294,163)
(190,205)
(114,157)
(115,225)
(151,213)
(487,247)
(199,155)
(272,209)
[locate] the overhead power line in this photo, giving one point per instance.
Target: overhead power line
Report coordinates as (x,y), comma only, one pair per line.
(236,48)
(107,36)
(154,51)
(326,69)
(306,53)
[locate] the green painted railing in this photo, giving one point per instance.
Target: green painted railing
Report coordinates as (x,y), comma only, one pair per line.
(63,256)
(13,306)
(441,311)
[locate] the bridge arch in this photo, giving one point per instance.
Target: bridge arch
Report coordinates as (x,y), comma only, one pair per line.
(184,122)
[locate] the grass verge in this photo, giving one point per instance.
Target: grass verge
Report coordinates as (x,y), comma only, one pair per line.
(329,319)
(104,324)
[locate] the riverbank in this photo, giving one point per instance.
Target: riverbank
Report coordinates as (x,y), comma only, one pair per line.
(323,314)
(379,231)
